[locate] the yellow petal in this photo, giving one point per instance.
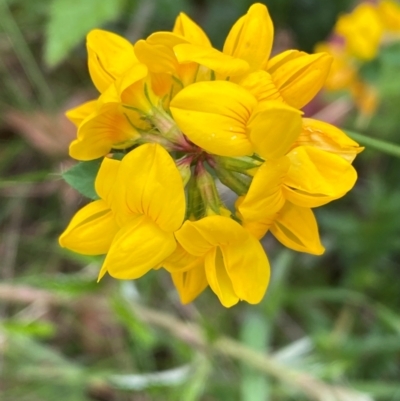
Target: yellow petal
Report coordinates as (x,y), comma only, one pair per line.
(181,261)
(214,116)
(273,128)
(110,56)
(362,30)
(130,87)
(264,197)
(223,64)
(218,278)
(162,84)
(90,148)
(258,229)
(139,246)
(91,230)
(199,237)
(149,183)
(190,284)
(327,137)
(251,37)
(389,12)
(159,58)
(343,71)
(316,172)
(299,76)
(296,228)
(78,114)
(261,86)
(185,27)
(191,237)
(282,58)
(106,178)
(248,269)
(168,39)
(101,131)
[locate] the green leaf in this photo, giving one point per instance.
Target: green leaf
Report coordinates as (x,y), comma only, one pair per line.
(82,177)
(71,20)
(254,333)
(389,148)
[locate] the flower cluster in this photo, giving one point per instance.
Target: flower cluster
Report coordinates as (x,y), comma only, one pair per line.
(178,121)
(357,39)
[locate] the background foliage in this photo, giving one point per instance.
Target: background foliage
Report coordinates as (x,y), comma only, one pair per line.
(328,328)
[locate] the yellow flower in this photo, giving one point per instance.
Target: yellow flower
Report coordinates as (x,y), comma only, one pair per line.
(362,31)
(306,177)
(299,76)
(232,114)
(235,264)
(134,221)
(389,11)
(343,71)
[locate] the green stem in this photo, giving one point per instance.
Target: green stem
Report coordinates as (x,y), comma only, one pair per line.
(377,144)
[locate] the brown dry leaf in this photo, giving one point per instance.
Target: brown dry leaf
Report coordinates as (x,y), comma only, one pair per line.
(49,133)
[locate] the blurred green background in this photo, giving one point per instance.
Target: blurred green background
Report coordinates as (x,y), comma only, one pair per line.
(328,328)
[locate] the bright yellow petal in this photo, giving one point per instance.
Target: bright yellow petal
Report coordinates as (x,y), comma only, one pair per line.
(218,278)
(90,148)
(389,12)
(273,128)
(282,58)
(248,269)
(187,28)
(130,87)
(261,86)
(214,116)
(343,71)
(180,261)
(191,237)
(223,64)
(198,237)
(149,183)
(91,230)
(296,228)
(78,114)
(362,30)
(327,137)
(316,172)
(299,76)
(190,284)
(139,246)
(258,229)
(110,56)
(106,178)
(101,131)
(251,37)
(159,58)
(264,197)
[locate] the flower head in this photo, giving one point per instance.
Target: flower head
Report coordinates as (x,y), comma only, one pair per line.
(187,120)
(358,37)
